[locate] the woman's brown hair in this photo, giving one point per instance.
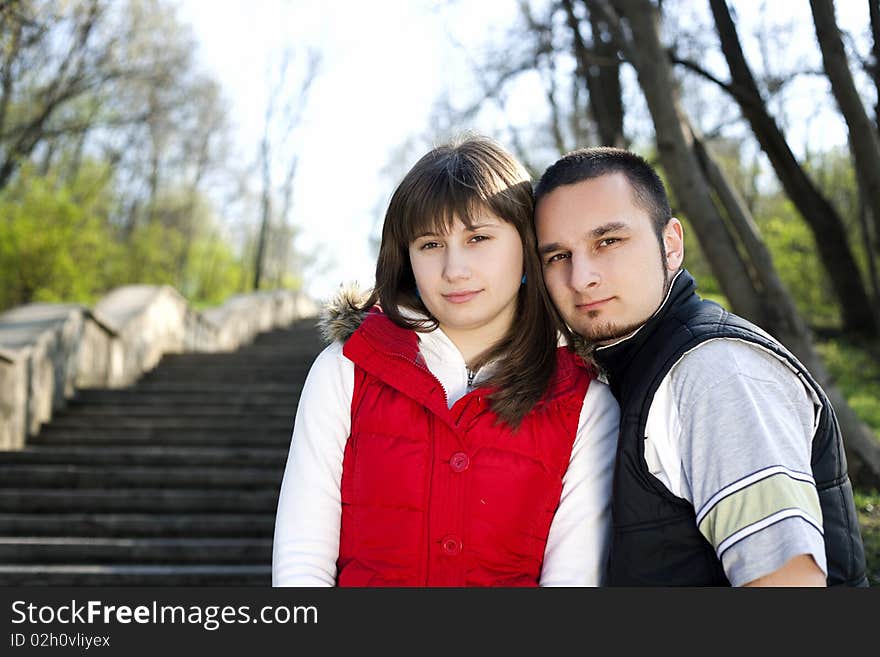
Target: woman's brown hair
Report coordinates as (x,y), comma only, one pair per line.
(458,180)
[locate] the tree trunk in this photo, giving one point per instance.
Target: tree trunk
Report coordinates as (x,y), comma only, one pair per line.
(874,11)
(678,153)
(605,84)
(863,139)
(598,69)
(675,148)
(6,79)
(266,212)
(829,233)
(870,241)
(790,327)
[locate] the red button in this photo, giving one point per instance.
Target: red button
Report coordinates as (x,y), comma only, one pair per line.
(459,462)
(451,544)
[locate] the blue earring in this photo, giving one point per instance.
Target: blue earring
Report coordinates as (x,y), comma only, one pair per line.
(523,281)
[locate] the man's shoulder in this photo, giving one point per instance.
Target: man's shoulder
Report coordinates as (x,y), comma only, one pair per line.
(720,359)
(723,350)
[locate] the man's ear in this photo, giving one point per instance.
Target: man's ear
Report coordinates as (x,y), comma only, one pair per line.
(673,242)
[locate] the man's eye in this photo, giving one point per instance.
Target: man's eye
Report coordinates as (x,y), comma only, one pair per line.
(608,241)
(556,257)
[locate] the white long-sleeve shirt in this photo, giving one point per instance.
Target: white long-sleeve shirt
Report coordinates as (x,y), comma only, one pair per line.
(307,524)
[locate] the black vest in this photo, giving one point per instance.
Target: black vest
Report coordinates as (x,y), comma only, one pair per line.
(655,538)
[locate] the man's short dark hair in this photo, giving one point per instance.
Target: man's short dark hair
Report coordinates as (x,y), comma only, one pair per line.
(588,163)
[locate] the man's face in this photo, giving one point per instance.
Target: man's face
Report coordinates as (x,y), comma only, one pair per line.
(602,262)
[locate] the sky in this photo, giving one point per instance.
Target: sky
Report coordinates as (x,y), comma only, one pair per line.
(384,63)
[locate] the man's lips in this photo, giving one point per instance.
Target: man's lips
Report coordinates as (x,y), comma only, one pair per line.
(461,297)
(592,305)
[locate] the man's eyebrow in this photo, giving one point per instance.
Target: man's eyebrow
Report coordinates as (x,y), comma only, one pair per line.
(596,233)
(610,227)
(549,248)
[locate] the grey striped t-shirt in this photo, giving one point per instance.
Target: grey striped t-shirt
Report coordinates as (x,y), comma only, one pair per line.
(730,430)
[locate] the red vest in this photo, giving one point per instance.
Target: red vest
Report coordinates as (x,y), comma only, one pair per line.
(438,496)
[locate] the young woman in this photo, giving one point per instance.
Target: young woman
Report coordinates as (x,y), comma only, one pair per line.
(443,439)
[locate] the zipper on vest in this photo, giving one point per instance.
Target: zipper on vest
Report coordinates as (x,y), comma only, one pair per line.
(426,370)
(471,375)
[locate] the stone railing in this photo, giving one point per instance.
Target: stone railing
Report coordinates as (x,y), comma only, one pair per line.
(47,351)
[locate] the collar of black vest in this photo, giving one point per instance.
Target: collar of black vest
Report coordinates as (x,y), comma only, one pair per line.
(614,359)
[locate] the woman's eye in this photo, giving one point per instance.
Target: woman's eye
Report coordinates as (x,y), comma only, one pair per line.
(479,238)
(429,245)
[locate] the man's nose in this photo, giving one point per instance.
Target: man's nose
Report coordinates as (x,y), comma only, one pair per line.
(584,273)
(455,264)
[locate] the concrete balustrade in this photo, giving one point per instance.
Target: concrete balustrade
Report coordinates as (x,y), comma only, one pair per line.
(47,351)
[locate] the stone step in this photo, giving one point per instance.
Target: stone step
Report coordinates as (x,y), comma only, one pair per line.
(198,373)
(302,329)
(299,358)
(138,500)
(135,575)
(86,436)
(81,477)
(180,399)
(241,377)
(170,421)
(172,481)
(270,358)
(205,411)
(146,525)
(148,456)
(204,387)
(87,550)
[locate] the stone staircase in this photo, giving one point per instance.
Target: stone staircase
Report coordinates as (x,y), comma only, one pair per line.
(171,482)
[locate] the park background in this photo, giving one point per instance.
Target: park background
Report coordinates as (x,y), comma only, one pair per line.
(226,147)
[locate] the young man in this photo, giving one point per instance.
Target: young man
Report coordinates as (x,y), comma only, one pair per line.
(730,465)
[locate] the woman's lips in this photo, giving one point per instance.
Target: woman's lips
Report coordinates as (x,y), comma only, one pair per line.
(461,297)
(592,305)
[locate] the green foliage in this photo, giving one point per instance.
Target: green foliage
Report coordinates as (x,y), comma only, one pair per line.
(215,272)
(857,373)
(57,244)
(868,507)
(54,241)
(794,255)
(696,264)
(835,175)
(152,255)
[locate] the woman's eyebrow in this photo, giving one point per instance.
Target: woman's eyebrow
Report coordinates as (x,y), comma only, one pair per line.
(483,224)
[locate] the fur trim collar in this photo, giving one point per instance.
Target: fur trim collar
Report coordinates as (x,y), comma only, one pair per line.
(583,348)
(343,314)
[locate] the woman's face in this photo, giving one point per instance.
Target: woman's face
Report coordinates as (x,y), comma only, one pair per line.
(469,279)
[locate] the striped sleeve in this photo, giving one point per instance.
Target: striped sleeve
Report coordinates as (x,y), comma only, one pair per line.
(756,502)
(746,426)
